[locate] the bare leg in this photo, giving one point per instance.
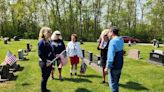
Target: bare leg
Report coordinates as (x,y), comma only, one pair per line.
(75,69)
(60,70)
(71,69)
(52,73)
(103,74)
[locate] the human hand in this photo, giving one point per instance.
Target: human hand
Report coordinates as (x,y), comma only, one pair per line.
(57,55)
(48,63)
(106,70)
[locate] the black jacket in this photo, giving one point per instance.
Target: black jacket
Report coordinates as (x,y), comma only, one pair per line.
(58,46)
(104,51)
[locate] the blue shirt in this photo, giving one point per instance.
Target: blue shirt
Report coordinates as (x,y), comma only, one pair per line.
(115,53)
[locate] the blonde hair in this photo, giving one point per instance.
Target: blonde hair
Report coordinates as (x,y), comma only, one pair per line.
(54,35)
(42,31)
(103,33)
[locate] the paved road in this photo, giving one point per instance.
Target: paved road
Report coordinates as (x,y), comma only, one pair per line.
(147,44)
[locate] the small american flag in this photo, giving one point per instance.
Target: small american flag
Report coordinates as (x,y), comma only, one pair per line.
(63,58)
(10,59)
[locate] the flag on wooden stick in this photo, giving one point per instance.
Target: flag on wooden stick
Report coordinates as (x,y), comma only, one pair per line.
(63,59)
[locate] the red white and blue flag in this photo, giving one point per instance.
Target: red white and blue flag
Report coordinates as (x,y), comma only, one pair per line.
(10,58)
(63,58)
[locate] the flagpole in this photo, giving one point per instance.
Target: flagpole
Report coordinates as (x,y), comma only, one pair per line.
(55,58)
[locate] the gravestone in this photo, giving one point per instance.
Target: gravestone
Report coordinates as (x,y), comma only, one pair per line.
(134,54)
(157,57)
(21,55)
(154,42)
(81,42)
(4,71)
(14,67)
(5,41)
(28,47)
(9,39)
(16,38)
(83,52)
(157,44)
(94,66)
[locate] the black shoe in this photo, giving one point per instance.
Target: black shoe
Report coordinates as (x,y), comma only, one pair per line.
(103,82)
(71,74)
(75,73)
(47,90)
(60,78)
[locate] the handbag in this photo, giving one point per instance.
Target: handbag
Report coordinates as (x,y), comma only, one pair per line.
(83,68)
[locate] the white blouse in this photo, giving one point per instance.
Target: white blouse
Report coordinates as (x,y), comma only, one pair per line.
(73,49)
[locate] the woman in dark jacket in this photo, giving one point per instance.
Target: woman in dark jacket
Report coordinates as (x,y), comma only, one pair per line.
(103,47)
(45,53)
(58,46)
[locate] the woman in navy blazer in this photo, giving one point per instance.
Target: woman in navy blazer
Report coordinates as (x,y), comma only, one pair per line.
(45,52)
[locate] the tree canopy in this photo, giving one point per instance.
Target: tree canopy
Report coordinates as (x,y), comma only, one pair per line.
(142,19)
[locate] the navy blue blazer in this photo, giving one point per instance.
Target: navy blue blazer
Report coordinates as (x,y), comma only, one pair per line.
(45,51)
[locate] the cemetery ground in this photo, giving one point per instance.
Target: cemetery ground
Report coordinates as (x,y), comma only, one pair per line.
(137,75)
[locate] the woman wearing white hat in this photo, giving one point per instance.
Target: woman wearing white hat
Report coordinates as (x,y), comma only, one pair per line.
(58,46)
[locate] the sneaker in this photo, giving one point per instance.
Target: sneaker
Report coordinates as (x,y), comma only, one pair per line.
(75,73)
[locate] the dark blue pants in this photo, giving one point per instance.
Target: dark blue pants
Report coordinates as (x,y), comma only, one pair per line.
(114,76)
(45,74)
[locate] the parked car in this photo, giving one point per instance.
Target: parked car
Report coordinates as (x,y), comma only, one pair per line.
(127,38)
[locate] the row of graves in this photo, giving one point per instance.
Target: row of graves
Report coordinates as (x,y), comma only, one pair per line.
(155,56)
(8,39)
(93,60)
(10,65)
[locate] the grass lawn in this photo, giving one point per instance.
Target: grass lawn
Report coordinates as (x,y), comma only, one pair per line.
(137,75)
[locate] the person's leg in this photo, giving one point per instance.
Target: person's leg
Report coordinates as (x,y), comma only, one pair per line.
(59,69)
(71,69)
(48,71)
(114,76)
(75,71)
(52,72)
(104,74)
(76,60)
(72,64)
(43,81)
(45,74)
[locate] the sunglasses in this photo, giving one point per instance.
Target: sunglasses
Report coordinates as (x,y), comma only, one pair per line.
(105,35)
(57,34)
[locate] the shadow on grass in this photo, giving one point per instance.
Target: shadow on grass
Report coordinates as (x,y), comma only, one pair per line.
(25,84)
(18,69)
(82,90)
(77,80)
(133,85)
(90,76)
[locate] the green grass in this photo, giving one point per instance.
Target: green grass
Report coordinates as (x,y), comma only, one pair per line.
(137,75)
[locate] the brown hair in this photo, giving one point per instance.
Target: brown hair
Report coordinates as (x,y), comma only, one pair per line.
(75,35)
